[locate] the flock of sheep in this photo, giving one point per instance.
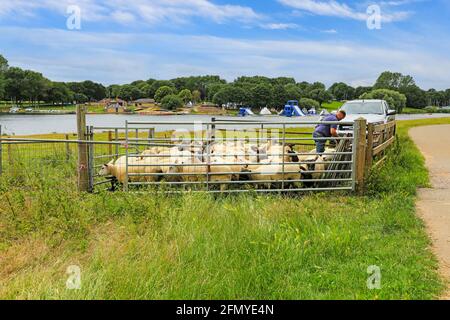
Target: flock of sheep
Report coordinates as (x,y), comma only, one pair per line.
(221,163)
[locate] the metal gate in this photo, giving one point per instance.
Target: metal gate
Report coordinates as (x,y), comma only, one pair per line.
(222,156)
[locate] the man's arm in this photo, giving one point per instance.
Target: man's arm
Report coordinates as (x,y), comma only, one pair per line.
(334,132)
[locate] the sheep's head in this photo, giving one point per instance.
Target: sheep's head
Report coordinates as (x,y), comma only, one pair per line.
(106,169)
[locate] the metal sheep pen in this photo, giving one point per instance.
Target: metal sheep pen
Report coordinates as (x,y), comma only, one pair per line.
(215,156)
(232,169)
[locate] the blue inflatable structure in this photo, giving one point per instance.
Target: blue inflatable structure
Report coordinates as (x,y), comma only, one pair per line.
(291,109)
(244,112)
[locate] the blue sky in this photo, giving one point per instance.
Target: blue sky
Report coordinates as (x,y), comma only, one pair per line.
(324,40)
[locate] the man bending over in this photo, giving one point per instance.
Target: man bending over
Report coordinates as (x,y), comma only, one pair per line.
(324,131)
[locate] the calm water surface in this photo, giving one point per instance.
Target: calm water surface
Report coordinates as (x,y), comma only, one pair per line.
(40,124)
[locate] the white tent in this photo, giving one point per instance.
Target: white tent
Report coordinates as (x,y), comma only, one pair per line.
(265,112)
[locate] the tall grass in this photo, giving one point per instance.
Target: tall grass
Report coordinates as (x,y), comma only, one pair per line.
(200,246)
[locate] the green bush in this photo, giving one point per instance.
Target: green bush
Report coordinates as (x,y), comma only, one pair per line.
(162,92)
(171,102)
(395,99)
(308,103)
(185,95)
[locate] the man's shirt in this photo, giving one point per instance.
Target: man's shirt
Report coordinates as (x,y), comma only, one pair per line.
(325,129)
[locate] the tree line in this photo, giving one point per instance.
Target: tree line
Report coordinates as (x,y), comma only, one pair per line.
(18,85)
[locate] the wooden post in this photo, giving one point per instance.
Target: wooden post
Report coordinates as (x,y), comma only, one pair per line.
(91,162)
(83,174)
(369,148)
(360,154)
(116,147)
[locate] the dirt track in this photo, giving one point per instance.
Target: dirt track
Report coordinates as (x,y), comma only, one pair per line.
(434,204)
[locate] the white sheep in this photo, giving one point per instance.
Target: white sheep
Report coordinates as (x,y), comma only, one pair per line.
(274,172)
(136,165)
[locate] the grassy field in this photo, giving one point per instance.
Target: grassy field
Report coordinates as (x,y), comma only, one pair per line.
(332,106)
(199,246)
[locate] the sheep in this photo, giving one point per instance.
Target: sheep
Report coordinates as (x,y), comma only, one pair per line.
(274,172)
(198,173)
(136,165)
(274,152)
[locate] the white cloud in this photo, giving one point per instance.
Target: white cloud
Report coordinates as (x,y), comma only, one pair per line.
(124,11)
(333,8)
(123,17)
(330,31)
(107,57)
(280,26)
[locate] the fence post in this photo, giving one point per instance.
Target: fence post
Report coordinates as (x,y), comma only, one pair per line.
(116,147)
(359,153)
(110,145)
(83,174)
(125,183)
(91,166)
(213,129)
(369,148)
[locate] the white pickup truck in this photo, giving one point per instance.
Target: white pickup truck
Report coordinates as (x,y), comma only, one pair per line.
(374,111)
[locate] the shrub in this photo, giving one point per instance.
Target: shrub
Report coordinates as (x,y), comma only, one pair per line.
(162,92)
(171,102)
(185,95)
(308,103)
(395,99)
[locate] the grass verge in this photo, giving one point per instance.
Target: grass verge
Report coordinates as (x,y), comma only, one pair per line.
(197,246)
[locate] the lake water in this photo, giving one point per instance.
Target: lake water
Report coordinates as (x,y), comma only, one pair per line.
(40,124)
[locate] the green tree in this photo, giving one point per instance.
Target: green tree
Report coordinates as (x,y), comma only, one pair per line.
(3,64)
(230,94)
(94,91)
(320,95)
(212,89)
(185,95)
(436,98)
(196,96)
(293,92)
(308,103)
(393,81)
(163,92)
(58,92)
(34,86)
(3,69)
(283,81)
(14,84)
(395,99)
(158,84)
(279,96)
(415,97)
(342,91)
(2,87)
(447,97)
(261,95)
(113,91)
(80,98)
(171,102)
(359,91)
(130,92)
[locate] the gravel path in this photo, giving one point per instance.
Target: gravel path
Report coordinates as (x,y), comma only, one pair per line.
(434,204)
